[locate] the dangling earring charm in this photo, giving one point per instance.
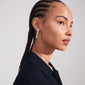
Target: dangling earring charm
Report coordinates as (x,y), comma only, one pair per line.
(37,33)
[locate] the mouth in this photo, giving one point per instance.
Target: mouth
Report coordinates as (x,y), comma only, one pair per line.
(66,41)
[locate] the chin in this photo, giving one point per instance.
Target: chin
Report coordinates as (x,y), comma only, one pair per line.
(61,49)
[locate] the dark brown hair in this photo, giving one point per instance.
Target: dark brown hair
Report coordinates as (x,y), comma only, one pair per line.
(38,10)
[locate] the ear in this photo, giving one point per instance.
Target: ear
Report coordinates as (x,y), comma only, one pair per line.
(36,23)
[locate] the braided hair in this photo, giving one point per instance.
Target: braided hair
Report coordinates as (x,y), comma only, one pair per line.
(38,10)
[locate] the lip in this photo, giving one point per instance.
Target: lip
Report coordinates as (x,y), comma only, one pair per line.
(66,41)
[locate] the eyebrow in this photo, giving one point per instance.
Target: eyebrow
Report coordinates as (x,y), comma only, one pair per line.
(64,18)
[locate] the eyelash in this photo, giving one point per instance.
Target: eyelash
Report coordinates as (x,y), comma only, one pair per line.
(60,22)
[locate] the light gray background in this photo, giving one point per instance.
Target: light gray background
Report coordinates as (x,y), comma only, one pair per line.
(14,16)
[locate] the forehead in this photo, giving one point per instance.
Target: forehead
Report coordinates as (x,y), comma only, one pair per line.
(59,9)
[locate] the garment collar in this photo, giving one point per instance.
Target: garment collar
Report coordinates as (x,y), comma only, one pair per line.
(35,59)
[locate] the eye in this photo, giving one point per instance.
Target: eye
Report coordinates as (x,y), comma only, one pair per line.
(61,22)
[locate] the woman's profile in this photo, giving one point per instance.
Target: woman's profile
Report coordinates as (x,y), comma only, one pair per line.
(50,24)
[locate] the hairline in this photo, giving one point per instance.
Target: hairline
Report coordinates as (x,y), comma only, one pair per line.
(51,5)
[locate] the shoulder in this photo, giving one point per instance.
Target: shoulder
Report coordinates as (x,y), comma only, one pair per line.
(30,72)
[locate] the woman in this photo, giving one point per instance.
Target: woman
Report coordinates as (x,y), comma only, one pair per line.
(50,26)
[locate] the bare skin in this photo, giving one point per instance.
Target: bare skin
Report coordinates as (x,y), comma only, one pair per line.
(56,28)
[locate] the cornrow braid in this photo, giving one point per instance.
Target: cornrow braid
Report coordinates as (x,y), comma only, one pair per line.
(38,10)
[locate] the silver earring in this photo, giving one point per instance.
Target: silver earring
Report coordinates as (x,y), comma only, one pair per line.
(37,33)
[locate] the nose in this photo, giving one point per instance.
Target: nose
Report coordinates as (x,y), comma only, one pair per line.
(69,32)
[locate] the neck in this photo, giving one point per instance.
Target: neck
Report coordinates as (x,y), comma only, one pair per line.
(43,51)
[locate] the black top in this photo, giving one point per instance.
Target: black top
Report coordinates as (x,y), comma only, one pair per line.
(35,71)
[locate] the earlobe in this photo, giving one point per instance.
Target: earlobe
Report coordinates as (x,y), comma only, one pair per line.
(35,23)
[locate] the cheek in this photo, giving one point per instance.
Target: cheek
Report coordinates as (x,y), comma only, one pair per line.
(52,34)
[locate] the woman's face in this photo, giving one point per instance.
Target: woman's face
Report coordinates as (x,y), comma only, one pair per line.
(56,30)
